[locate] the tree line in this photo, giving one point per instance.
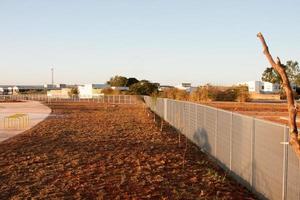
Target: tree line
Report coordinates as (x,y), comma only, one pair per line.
(136,87)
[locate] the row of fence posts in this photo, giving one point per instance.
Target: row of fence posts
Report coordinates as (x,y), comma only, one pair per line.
(183,125)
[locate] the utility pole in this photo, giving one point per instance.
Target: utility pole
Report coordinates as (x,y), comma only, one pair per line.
(52,76)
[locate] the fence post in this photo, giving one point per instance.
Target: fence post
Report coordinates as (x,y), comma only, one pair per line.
(230,141)
(216,133)
(165,109)
(252,152)
(285,163)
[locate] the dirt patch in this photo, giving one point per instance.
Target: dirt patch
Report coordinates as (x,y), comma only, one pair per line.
(276,112)
(10,101)
(108,152)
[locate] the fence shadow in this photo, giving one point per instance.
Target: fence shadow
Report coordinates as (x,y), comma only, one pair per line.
(201,139)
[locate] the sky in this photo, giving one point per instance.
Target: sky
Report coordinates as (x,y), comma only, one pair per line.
(165,41)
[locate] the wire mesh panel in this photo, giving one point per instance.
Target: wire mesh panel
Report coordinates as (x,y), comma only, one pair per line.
(268,159)
(200,116)
(210,127)
(128,99)
(161,107)
(192,120)
(170,111)
(173,111)
(241,144)
(121,99)
(200,135)
(251,148)
(293,176)
(176,107)
(182,121)
(224,137)
(185,119)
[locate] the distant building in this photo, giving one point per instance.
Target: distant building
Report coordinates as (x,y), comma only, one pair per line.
(59,93)
(186,86)
(164,87)
(91,90)
(264,87)
(19,89)
(16,89)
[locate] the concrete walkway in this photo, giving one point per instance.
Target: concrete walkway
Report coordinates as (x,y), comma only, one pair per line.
(36,112)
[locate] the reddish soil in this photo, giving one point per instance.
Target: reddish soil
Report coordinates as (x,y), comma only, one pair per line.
(94,151)
(276,112)
(9,101)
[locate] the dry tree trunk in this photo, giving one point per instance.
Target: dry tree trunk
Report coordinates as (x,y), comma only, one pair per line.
(292,107)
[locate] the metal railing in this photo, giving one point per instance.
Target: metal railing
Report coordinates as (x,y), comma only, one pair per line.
(113,99)
(255,151)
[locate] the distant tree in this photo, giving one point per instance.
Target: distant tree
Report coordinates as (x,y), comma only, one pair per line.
(73,92)
(131,81)
(107,91)
(201,94)
(293,71)
(174,93)
(143,88)
(117,81)
(242,93)
(270,75)
(291,68)
(110,91)
(213,93)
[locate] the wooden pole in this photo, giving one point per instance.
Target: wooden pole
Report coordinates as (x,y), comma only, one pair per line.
(292,107)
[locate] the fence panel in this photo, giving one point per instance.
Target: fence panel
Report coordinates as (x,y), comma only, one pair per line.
(252,149)
(293,176)
(170,112)
(224,127)
(192,120)
(268,159)
(210,129)
(241,157)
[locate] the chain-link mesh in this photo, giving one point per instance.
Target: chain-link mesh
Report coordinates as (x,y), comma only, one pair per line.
(254,150)
(268,159)
(223,137)
(112,99)
(241,154)
(293,175)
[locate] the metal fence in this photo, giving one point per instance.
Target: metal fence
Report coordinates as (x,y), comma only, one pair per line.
(113,99)
(252,149)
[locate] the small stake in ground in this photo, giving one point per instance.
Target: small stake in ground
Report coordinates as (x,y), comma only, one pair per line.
(185,150)
(179,131)
(161,125)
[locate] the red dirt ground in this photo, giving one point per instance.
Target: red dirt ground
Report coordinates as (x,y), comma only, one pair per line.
(276,112)
(94,151)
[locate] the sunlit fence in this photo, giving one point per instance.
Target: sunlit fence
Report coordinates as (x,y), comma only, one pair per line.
(256,152)
(113,99)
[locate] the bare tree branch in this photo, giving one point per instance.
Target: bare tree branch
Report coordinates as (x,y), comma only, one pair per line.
(292,107)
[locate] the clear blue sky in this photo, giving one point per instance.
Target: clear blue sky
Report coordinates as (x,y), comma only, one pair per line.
(167,41)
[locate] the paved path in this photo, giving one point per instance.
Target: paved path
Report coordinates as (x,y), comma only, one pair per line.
(35,110)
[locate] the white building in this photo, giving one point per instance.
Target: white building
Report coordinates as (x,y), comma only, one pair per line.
(91,90)
(187,87)
(264,87)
